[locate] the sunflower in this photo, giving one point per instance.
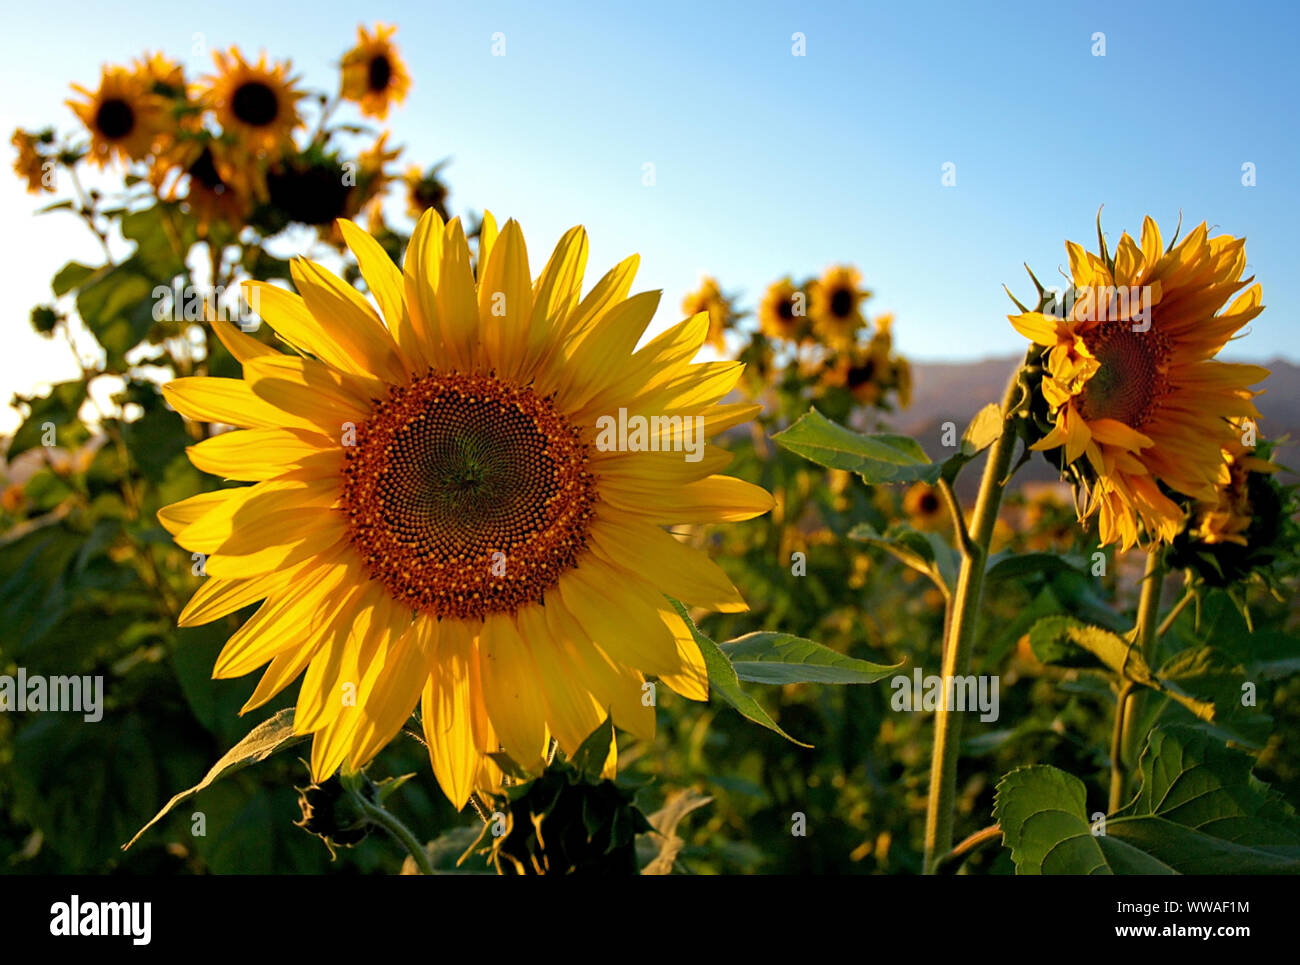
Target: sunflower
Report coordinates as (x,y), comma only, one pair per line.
(709,298)
(30,162)
(425,191)
(1227,518)
(433,519)
(162,76)
(924,507)
(206,175)
(1132,387)
(834,309)
(781,313)
(121,115)
(257,103)
(373,74)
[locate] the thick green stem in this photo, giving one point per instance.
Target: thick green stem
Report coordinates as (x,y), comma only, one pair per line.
(1146,633)
(959,639)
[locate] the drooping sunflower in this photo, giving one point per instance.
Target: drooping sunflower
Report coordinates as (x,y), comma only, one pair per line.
(709,298)
(782,313)
(30,162)
(836,298)
(255,102)
(122,116)
(432,518)
(924,507)
(373,74)
(1137,398)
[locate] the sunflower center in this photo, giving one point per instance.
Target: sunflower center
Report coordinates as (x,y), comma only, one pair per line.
(255,103)
(928,504)
(115,118)
(842,303)
(379,73)
(466,495)
(785,309)
(1130,380)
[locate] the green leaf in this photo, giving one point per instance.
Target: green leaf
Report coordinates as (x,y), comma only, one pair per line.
(59,409)
(879,458)
(1199,811)
(782,658)
(1069,642)
(592,753)
(1044,820)
(72,275)
(260,743)
(724,683)
(927,553)
(1016,566)
(984,430)
(117,306)
(1207,674)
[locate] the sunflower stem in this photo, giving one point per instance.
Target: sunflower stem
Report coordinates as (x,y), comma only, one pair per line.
(1146,636)
(1117,747)
(388,821)
(959,636)
(1172,615)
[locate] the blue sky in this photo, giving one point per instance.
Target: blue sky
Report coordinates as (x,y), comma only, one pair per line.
(767,163)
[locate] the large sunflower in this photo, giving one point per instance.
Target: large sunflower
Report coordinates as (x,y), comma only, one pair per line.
(433,519)
(122,116)
(256,102)
(373,73)
(1137,395)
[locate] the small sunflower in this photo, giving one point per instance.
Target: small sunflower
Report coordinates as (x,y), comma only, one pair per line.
(783,312)
(425,191)
(709,298)
(924,507)
(373,74)
(257,103)
(30,162)
(836,298)
(1140,403)
(432,518)
(122,116)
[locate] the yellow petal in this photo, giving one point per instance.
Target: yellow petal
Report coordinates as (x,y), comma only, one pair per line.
(509,676)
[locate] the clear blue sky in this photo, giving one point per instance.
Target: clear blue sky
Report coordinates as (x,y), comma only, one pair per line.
(767,163)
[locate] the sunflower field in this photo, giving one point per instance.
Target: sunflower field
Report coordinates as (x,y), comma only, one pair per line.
(378,545)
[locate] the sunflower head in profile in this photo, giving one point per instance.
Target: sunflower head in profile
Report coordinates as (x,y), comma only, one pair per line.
(374,76)
(783,312)
(709,298)
(924,507)
(122,116)
(835,308)
(1138,405)
(442,511)
(30,164)
(256,103)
